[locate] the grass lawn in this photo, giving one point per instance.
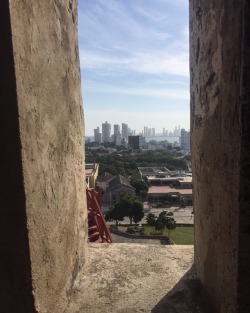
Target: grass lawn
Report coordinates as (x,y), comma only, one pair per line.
(180,236)
(183,235)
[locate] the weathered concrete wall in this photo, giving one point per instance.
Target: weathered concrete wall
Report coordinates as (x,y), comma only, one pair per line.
(220,152)
(244,199)
(15,269)
(43,225)
(124,278)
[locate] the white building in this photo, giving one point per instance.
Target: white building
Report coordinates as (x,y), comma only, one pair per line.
(125,131)
(185,140)
(116,131)
(106,132)
(97,135)
(118,139)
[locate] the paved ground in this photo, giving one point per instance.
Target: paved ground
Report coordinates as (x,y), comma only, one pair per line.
(181,215)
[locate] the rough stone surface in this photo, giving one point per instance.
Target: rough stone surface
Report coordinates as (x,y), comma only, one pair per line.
(130,278)
(15,271)
(219,63)
(244,199)
(43,139)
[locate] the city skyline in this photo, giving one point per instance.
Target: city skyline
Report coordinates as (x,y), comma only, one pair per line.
(134,62)
(124,130)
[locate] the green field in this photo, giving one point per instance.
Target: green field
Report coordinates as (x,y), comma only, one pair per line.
(182,235)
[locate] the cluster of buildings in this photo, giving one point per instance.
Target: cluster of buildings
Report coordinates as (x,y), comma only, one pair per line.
(175,133)
(119,136)
(165,185)
(124,136)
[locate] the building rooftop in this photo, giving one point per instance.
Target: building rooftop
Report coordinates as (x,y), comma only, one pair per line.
(167,189)
(89,171)
(119,180)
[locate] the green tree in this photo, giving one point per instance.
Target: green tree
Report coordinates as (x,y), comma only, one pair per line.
(140,186)
(115,213)
(159,226)
(151,220)
(132,208)
(163,221)
(183,201)
(170,224)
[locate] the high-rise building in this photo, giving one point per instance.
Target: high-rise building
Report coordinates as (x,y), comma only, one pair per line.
(153,132)
(106,132)
(134,142)
(176,133)
(125,131)
(97,135)
(116,131)
(185,140)
(118,139)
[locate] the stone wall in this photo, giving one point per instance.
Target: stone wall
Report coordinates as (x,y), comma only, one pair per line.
(219,45)
(43,222)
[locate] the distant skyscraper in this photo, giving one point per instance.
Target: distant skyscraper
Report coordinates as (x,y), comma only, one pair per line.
(106,132)
(176,133)
(116,131)
(153,132)
(97,135)
(116,128)
(185,140)
(134,142)
(124,131)
(118,139)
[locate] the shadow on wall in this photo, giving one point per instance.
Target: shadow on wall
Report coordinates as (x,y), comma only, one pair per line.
(185,297)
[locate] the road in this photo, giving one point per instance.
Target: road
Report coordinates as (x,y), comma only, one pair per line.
(181,215)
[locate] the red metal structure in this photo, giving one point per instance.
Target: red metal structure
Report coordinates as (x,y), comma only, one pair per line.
(98,229)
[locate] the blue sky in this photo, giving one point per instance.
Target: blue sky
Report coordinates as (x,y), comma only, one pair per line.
(134,63)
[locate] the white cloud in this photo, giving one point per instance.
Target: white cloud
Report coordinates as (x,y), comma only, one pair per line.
(151,14)
(148,63)
(180,3)
(139,49)
(149,91)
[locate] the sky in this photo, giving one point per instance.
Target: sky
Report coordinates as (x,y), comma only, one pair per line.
(134,58)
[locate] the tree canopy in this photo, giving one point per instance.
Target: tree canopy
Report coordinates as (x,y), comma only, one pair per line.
(140,186)
(127,164)
(114,213)
(128,206)
(151,220)
(161,222)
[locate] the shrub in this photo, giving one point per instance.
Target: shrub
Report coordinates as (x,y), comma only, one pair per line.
(131,230)
(170,214)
